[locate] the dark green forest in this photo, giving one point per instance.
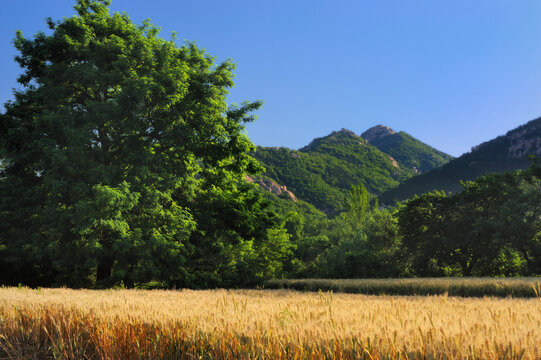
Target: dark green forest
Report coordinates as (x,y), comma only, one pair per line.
(123,165)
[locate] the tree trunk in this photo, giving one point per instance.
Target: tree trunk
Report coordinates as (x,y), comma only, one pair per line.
(105,262)
(103,272)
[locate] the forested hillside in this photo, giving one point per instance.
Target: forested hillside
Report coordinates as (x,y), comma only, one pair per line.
(322,172)
(409,152)
(505,153)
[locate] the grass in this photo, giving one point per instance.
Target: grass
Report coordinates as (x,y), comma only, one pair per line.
(263,324)
(466,287)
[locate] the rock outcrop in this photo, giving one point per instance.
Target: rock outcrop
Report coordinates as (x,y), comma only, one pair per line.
(525,140)
(377,132)
(393,161)
(272,187)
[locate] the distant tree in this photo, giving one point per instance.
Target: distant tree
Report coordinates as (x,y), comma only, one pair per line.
(422,225)
(121,161)
(357,204)
(474,227)
(519,220)
(347,256)
(384,243)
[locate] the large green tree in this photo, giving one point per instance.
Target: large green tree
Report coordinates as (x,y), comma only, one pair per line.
(121,161)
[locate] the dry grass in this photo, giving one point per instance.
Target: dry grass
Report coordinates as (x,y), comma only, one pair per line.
(137,324)
(468,287)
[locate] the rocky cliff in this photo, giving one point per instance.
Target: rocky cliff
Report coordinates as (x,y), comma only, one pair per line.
(272,187)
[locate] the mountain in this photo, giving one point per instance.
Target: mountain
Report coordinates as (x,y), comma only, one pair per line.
(504,153)
(409,152)
(322,172)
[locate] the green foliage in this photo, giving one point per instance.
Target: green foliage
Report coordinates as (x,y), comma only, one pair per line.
(421,225)
(362,241)
(366,248)
(411,153)
(304,224)
(491,228)
(123,164)
(302,174)
(357,203)
(385,258)
(323,172)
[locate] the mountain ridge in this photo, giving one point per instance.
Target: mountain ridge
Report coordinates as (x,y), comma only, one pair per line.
(408,151)
(323,171)
(504,153)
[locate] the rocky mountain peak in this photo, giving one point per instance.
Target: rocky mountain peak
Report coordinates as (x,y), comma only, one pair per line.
(348,132)
(377,132)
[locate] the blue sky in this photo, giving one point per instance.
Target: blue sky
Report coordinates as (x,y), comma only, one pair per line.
(451,73)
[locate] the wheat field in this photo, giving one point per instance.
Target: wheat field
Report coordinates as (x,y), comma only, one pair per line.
(262,324)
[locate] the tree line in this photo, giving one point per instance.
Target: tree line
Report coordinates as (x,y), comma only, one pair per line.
(491,228)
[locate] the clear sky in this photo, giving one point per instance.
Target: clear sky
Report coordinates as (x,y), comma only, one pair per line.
(452,73)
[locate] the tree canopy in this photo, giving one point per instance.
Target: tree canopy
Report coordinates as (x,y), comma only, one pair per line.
(122,162)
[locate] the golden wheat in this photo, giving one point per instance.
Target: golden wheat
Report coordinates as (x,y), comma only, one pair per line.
(137,324)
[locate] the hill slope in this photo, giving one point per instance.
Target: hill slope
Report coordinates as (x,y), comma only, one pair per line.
(409,152)
(322,172)
(504,153)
